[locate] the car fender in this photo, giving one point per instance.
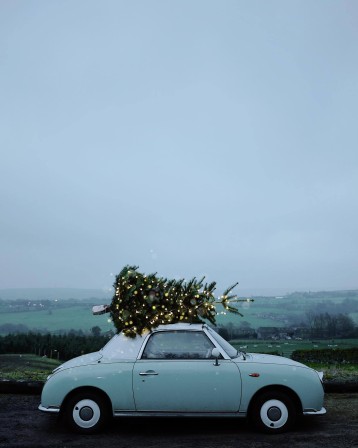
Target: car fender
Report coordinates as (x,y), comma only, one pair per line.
(302,381)
(114,379)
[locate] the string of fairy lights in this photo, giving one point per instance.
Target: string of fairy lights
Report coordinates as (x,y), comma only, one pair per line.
(142,302)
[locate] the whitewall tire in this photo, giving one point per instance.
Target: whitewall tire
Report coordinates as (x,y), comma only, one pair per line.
(87,413)
(273,412)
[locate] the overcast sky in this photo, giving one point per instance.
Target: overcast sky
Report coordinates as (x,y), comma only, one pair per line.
(191,138)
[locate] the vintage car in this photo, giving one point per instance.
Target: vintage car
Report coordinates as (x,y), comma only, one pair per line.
(181,370)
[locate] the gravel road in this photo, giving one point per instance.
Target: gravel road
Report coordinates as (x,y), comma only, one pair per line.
(22,426)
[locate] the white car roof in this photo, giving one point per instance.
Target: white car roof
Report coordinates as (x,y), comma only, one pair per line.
(180,326)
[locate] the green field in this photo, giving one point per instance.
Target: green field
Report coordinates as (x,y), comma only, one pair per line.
(263,312)
(285,348)
(79,317)
(76,317)
(252,316)
(29,367)
(284,311)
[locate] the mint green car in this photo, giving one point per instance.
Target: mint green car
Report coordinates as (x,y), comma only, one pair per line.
(181,370)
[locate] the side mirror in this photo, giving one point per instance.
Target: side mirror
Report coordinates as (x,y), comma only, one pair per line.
(216,354)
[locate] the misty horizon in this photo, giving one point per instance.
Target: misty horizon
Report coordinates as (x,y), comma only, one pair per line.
(107,293)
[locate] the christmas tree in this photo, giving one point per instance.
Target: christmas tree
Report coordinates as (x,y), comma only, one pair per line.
(142,302)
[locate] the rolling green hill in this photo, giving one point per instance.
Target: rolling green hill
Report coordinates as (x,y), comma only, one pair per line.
(55,315)
(73,317)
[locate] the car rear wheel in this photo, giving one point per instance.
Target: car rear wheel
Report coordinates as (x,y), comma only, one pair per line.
(87,413)
(273,412)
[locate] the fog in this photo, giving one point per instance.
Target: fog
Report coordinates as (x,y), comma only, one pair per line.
(189,138)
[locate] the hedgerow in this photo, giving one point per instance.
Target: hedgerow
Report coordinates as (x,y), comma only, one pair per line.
(327,356)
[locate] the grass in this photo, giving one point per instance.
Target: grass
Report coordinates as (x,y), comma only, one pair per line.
(80,317)
(351,369)
(26,367)
(286,348)
(75,317)
(340,372)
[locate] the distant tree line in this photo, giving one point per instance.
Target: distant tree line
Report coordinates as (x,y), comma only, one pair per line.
(325,325)
(353,294)
(14,328)
(62,347)
(9,328)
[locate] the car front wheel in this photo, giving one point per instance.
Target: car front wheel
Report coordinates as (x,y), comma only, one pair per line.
(87,413)
(273,412)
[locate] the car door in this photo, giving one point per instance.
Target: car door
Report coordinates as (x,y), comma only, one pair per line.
(176,373)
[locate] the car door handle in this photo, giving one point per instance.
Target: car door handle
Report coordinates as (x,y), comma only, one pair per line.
(148,372)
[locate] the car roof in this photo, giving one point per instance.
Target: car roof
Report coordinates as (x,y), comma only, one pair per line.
(180,326)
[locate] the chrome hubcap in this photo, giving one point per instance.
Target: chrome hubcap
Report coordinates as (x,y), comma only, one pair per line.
(274,414)
(86,413)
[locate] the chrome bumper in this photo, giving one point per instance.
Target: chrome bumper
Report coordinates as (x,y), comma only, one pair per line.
(50,410)
(314,412)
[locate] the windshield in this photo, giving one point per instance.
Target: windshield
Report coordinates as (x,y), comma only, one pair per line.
(122,347)
(230,350)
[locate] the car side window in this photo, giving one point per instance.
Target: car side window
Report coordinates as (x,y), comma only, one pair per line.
(178,345)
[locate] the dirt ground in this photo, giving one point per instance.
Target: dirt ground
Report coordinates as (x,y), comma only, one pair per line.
(23,426)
